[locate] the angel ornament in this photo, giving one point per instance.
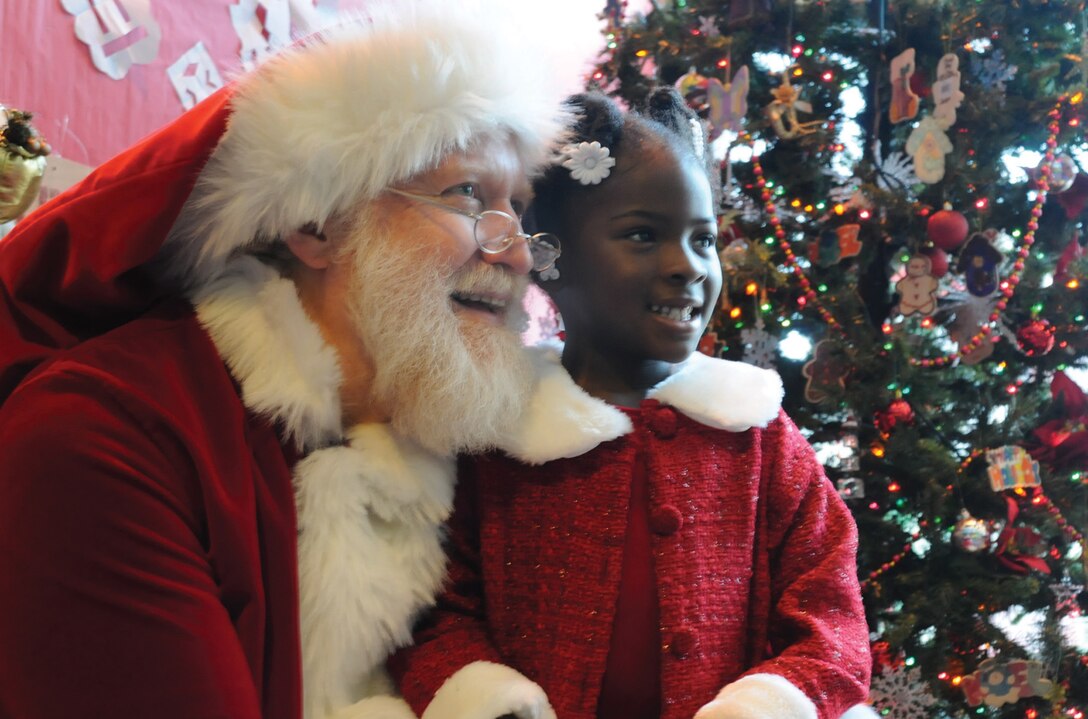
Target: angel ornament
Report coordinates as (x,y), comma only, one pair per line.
(782,112)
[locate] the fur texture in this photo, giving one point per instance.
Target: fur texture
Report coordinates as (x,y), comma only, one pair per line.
(733,396)
(484,690)
(370,504)
(274,350)
(370,558)
(564,421)
(361,106)
(759,696)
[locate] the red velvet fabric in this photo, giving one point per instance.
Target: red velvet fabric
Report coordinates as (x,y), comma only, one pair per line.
(754,556)
(147,537)
(73,268)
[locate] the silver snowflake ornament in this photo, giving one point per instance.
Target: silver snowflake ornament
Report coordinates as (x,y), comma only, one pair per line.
(900,693)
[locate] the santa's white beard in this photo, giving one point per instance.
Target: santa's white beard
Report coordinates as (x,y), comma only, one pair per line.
(450,381)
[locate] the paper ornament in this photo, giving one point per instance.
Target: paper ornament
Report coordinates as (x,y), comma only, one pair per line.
(899,692)
(782,111)
(826,372)
(997,682)
(708,26)
(759,345)
(918,289)
(835,244)
(260,39)
(1011,467)
(928,144)
(194,76)
(894,172)
(946,91)
(904,105)
(118,33)
(993,72)
(978,262)
(727,104)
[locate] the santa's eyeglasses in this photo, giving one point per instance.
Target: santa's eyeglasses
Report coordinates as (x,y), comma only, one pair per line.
(495,231)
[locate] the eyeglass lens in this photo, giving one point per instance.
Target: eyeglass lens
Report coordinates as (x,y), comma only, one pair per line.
(495,230)
(545,250)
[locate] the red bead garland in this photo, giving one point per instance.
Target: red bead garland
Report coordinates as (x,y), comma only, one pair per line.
(791,259)
(1008,287)
(890,564)
(1067,529)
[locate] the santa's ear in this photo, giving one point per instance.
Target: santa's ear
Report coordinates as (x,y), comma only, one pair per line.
(310,246)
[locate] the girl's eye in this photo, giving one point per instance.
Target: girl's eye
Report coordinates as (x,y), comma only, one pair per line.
(640,236)
(705,241)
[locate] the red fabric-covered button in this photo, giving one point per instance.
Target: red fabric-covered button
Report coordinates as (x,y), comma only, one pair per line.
(663,422)
(682,643)
(665,519)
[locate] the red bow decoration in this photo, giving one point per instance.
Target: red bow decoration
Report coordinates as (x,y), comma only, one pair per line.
(1062,442)
(1016,546)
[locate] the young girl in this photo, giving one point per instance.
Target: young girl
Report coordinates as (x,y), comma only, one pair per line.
(658,539)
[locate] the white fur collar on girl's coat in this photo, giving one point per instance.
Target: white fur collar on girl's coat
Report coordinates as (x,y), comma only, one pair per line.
(564,421)
(370,502)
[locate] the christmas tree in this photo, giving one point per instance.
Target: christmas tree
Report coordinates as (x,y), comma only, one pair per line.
(903,200)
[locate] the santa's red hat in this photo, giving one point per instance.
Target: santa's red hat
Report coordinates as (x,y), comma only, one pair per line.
(331,121)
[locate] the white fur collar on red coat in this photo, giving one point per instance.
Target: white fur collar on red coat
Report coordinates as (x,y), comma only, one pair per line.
(370,502)
(565,421)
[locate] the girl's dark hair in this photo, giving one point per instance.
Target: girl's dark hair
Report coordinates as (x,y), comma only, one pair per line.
(665,117)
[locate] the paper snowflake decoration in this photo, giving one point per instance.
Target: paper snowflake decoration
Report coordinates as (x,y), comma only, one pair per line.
(588,162)
(841,194)
(708,26)
(895,172)
(900,693)
(759,346)
(993,72)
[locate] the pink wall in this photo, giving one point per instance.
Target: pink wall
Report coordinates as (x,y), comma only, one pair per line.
(83,113)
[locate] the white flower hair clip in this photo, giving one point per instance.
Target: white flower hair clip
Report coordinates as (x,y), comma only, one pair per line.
(588,162)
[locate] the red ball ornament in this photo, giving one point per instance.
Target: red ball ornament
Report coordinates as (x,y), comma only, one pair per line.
(1036,338)
(938,260)
(897,413)
(947,229)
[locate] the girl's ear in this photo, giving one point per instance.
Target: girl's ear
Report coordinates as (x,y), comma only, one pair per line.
(310,246)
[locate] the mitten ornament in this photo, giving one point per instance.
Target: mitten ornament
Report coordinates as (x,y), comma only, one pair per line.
(978,261)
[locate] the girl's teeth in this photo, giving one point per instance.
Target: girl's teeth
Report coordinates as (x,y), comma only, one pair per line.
(680,314)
